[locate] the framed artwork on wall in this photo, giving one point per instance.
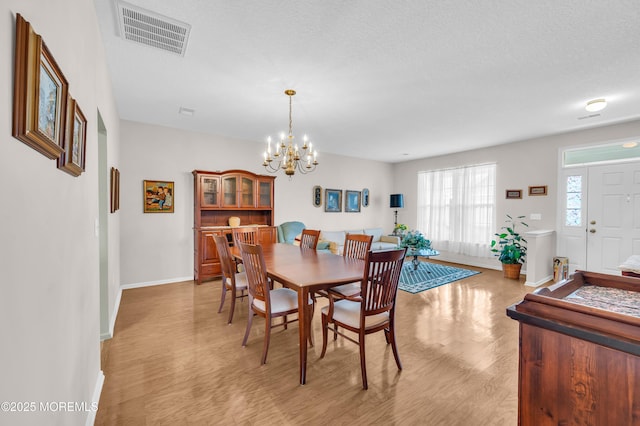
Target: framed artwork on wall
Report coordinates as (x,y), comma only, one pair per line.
(158,196)
(365,197)
(333,200)
(317,196)
(115,189)
(72,159)
(39,94)
(513,194)
(537,190)
(352,201)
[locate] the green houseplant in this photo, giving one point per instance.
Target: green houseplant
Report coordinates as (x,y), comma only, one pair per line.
(510,247)
(415,240)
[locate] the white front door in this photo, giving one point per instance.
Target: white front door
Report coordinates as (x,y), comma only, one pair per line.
(613,216)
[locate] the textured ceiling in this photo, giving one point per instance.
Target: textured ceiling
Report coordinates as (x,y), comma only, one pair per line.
(383,80)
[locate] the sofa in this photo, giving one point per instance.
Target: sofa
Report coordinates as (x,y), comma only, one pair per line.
(380,241)
(288,231)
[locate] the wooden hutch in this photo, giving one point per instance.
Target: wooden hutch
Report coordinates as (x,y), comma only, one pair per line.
(219,196)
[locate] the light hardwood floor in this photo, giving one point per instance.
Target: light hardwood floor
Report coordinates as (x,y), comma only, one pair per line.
(174,360)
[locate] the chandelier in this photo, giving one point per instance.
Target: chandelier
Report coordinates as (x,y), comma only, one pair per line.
(287,155)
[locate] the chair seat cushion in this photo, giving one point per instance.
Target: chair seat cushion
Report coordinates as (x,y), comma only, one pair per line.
(241,281)
(346,290)
(348,312)
(282,300)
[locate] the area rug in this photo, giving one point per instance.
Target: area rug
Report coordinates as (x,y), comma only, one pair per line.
(430,275)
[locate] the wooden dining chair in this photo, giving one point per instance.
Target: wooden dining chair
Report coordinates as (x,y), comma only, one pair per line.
(248,235)
(356,246)
(232,281)
(264,301)
(309,238)
(374,312)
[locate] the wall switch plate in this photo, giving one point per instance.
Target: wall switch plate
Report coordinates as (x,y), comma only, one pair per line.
(535,216)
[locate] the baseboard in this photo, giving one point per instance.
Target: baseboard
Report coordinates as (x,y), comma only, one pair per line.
(95,399)
(539,282)
(159,282)
(113,317)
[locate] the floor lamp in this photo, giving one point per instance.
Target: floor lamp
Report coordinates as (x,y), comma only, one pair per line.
(396,201)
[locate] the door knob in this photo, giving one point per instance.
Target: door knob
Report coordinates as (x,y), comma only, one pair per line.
(593,231)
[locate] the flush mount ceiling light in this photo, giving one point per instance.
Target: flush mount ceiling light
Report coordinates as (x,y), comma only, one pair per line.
(596,105)
(630,144)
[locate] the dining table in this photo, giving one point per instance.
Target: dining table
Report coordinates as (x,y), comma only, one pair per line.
(305,271)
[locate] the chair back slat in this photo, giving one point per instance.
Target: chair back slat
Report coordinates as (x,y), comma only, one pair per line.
(309,238)
(356,246)
(380,281)
(247,235)
(256,270)
(226,262)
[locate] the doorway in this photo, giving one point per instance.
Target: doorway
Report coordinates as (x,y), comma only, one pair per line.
(103,230)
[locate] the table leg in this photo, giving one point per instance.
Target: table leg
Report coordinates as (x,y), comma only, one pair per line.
(415,262)
(303,315)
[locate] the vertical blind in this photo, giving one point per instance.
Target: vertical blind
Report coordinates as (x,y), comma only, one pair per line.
(456,208)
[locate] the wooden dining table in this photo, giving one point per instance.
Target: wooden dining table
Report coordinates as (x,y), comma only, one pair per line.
(305,271)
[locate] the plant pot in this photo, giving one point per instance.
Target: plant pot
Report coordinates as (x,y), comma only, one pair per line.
(511,271)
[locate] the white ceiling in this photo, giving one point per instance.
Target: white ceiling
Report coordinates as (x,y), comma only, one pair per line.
(379,79)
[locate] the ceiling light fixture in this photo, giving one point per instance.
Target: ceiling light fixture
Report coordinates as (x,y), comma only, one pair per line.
(596,105)
(287,156)
(630,144)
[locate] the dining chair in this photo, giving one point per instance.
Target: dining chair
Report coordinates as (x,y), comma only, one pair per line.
(247,235)
(376,309)
(263,300)
(232,281)
(356,246)
(309,238)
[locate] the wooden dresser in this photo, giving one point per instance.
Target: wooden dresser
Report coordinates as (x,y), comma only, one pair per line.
(219,196)
(580,352)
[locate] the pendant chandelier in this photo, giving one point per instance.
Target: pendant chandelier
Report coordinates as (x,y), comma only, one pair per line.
(287,156)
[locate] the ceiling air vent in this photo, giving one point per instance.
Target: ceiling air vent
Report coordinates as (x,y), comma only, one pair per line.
(152,29)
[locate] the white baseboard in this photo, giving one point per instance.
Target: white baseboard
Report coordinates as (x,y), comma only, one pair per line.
(95,399)
(539,282)
(112,318)
(159,282)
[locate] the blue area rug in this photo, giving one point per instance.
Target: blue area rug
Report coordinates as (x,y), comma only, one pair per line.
(430,275)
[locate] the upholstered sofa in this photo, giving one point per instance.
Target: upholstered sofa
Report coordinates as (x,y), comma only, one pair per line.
(288,231)
(380,241)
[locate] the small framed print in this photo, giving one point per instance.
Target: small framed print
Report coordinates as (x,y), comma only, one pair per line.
(115,189)
(352,201)
(317,196)
(158,196)
(365,197)
(537,190)
(333,200)
(39,94)
(513,194)
(73,157)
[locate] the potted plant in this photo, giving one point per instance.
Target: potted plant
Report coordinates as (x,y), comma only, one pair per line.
(510,247)
(415,241)
(399,229)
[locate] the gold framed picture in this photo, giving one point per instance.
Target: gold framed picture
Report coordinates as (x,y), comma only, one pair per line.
(72,159)
(158,196)
(538,190)
(39,94)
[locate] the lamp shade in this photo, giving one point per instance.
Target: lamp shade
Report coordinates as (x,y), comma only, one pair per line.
(396,201)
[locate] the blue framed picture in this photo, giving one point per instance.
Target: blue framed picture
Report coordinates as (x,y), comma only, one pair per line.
(352,201)
(333,200)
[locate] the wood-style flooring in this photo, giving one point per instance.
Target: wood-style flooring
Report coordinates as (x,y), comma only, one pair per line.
(174,360)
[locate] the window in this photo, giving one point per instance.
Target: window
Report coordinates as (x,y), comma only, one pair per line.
(456,208)
(573,212)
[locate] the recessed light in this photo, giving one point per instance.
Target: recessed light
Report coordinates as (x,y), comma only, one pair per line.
(630,144)
(187,111)
(596,105)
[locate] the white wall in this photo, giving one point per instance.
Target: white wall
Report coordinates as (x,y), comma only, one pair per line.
(49,293)
(159,247)
(519,165)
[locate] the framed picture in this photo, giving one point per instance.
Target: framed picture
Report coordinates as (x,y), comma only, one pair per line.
(39,94)
(72,159)
(115,189)
(365,197)
(158,196)
(317,196)
(538,190)
(352,201)
(333,200)
(514,194)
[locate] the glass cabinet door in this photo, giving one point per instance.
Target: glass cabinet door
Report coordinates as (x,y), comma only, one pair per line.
(209,191)
(230,191)
(264,193)
(247,199)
